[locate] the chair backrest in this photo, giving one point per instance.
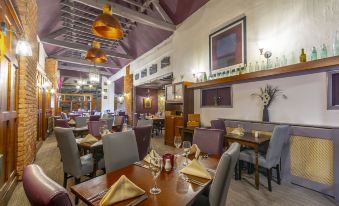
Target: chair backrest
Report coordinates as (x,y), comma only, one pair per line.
(143,137)
(69,151)
(94,118)
(279,138)
(61,123)
(119,120)
(144,122)
(135,119)
(108,122)
(222,179)
(43,191)
(210,141)
(121,113)
(120,149)
(218,124)
(80,122)
(94,127)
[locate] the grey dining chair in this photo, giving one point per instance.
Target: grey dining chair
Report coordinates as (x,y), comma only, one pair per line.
(279,138)
(218,191)
(120,150)
(81,122)
(74,165)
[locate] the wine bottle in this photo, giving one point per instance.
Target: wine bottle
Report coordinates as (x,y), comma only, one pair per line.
(302,56)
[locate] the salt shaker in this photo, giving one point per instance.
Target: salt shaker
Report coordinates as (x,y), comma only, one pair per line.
(256,135)
(168,165)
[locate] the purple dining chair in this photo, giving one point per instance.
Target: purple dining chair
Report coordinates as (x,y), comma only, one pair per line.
(43,191)
(209,141)
(218,124)
(143,137)
(94,118)
(94,127)
(61,123)
(118,123)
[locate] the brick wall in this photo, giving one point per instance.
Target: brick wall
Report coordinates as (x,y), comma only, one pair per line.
(128,90)
(27,108)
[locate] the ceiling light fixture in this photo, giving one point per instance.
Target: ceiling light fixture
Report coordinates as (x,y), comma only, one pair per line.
(105,25)
(95,54)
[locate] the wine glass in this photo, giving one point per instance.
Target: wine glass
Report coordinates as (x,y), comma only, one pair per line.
(102,130)
(187,146)
(177,142)
(155,166)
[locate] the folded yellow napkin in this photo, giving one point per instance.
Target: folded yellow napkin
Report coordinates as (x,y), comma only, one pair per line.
(122,189)
(89,139)
(195,150)
(238,131)
(196,169)
(152,154)
(71,121)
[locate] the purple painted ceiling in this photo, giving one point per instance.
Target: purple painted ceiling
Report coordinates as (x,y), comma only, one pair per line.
(140,39)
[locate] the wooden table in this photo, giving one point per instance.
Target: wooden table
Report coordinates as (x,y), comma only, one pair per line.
(174,190)
(249,140)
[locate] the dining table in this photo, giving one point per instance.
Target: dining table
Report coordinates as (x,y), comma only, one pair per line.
(249,140)
(176,189)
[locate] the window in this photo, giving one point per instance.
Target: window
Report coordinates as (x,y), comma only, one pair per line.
(333,90)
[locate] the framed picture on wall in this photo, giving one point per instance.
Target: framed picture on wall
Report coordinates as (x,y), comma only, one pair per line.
(136,76)
(147,103)
(227,47)
(144,73)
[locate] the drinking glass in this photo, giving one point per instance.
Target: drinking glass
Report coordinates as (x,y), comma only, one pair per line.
(155,166)
(177,141)
(187,146)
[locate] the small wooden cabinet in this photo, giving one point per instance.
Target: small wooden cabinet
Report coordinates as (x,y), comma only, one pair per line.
(216,97)
(171,130)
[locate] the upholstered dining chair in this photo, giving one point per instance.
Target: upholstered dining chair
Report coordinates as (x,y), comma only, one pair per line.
(64,116)
(217,194)
(94,117)
(143,137)
(118,123)
(80,122)
(94,127)
(108,122)
(220,124)
(117,156)
(209,141)
(43,191)
(74,165)
(279,138)
(62,123)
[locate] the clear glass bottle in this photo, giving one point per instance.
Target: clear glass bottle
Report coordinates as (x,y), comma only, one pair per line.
(257,68)
(250,67)
(314,54)
(293,58)
(263,65)
(336,44)
(277,62)
(323,53)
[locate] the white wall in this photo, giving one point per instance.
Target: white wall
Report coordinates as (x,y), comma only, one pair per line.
(281,26)
(107,104)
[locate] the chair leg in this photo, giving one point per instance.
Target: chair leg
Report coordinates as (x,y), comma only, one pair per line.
(269,178)
(239,169)
(65,179)
(278,174)
(77,181)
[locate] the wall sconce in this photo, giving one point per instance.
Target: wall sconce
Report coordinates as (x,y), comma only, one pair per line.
(77,86)
(120,99)
(23,48)
(52,91)
(108,82)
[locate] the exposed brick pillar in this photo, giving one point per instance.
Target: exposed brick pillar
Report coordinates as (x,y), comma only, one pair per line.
(27,106)
(128,91)
(51,69)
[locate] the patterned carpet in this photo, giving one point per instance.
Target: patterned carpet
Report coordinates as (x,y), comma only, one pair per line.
(241,192)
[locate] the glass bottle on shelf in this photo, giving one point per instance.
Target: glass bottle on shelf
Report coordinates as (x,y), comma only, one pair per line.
(314,54)
(293,58)
(250,67)
(256,67)
(263,65)
(302,56)
(336,44)
(323,53)
(277,62)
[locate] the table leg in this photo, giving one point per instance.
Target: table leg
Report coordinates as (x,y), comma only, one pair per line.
(257,168)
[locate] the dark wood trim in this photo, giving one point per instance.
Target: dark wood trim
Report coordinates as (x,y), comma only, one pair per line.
(307,67)
(14,15)
(8,188)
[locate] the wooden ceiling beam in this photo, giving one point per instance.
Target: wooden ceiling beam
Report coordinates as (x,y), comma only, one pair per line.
(83,62)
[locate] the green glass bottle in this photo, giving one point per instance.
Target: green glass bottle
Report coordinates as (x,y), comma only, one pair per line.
(302,56)
(323,53)
(314,55)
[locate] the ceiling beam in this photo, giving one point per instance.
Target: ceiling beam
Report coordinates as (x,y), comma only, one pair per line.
(79,69)
(56,33)
(124,47)
(161,11)
(89,39)
(136,4)
(129,14)
(80,47)
(83,62)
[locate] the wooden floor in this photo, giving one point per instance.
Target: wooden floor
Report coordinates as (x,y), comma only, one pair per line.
(241,193)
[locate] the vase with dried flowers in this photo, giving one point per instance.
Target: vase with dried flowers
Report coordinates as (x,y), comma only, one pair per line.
(267,96)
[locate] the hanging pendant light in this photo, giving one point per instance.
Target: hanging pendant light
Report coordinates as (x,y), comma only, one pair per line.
(106,26)
(95,54)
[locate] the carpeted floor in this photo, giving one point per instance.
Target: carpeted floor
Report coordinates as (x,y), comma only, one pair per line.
(241,193)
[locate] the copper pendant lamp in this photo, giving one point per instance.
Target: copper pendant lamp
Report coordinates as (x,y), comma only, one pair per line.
(106,26)
(95,54)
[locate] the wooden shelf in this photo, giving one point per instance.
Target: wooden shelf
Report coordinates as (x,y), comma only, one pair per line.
(307,67)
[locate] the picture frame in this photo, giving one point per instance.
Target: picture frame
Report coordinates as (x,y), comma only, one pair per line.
(144,73)
(147,103)
(227,47)
(136,76)
(153,69)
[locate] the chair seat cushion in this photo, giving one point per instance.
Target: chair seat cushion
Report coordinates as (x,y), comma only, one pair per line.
(87,164)
(248,155)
